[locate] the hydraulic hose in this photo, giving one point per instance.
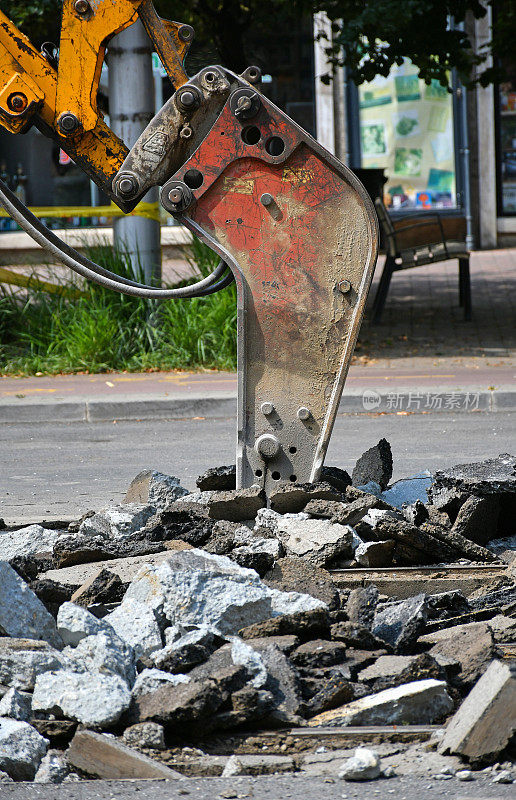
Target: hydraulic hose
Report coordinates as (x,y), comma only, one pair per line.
(94,272)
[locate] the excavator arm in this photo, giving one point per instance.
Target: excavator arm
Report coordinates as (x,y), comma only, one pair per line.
(293,226)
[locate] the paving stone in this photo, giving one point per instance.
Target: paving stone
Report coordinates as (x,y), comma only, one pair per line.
(363,766)
(485,721)
(191,649)
(17,705)
(258,765)
(125,568)
(387,672)
(295,574)
(105,757)
(21,660)
(292,498)
(193,702)
(51,593)
(21,749)
(471,644)
(463,547)
(75,548)
(447,604)
(54,768)
(375,554)
(217,479)
(361,605)
(416,546)
(184,520)
(305,624)
(145,734)
(492,476)
(416,703)
(90,698)
(478,519)
(154,489)
(348,513)
(318,653)
(354,635)
(400,624)
(319,541)
(136,624)
(285,643)
(103,587)
(21,613)
(236,505)
(374,465)
(151,679)
(336,477)
(29,541)
(334,692)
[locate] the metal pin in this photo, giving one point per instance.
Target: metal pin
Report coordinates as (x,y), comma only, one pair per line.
(303,413)
(344,286)
(266,199)
(267,408)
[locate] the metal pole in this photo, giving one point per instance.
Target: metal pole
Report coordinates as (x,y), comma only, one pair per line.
(131,107)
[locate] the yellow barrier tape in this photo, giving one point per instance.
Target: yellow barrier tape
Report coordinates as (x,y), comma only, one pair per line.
(146,210)
(15,279)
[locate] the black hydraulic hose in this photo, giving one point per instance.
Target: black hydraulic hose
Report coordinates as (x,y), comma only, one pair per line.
(94,272)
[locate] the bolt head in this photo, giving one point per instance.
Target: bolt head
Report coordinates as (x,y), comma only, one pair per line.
(303,413)
(187,99)
(82,6)
(175,195)
(266,199)
(267,445)
(127,186)
(17,102)
(345,287)
(267,408)
(68,123)
(186,33)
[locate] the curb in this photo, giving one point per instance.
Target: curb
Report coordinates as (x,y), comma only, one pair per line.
(368,401)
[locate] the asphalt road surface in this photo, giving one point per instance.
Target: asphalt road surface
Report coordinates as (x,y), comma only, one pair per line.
(264,788)
(60,470)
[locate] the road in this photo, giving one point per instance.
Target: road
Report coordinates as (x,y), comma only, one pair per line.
(264,788)
(60,470)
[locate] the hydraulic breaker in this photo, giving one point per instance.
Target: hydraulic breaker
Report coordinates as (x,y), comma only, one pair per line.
(292,225)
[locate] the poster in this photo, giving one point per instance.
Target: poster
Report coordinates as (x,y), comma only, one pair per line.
(406,127)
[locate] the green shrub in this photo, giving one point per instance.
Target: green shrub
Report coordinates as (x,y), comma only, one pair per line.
(104,331)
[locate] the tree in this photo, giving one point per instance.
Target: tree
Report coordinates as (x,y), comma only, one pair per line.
(369,36)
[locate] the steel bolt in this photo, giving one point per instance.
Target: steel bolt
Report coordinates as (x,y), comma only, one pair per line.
(267,445)
(127,186)
(266,199)
(68,123)
(267,408)
(17,102)
(185,33)
(175,196)
(345,287)
(303,413)
(188,99)
(82,6)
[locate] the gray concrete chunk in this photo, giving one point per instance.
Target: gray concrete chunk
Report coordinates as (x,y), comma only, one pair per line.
(21,660)
(136,624)
(415,703)
(105,757)
(400,624)
(75,623)
(21,749)
(485,721)
(92,699)
(29,541)
(16,704)
(21,613)
(319,541)
(154,489)
(117,522)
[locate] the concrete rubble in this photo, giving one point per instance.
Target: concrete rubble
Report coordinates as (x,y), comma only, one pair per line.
(135,640)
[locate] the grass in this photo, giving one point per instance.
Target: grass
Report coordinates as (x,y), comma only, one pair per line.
(103,331)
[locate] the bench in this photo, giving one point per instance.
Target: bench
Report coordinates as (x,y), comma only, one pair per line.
(419,239)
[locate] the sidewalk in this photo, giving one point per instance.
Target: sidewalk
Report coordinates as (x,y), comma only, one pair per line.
(422,358)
